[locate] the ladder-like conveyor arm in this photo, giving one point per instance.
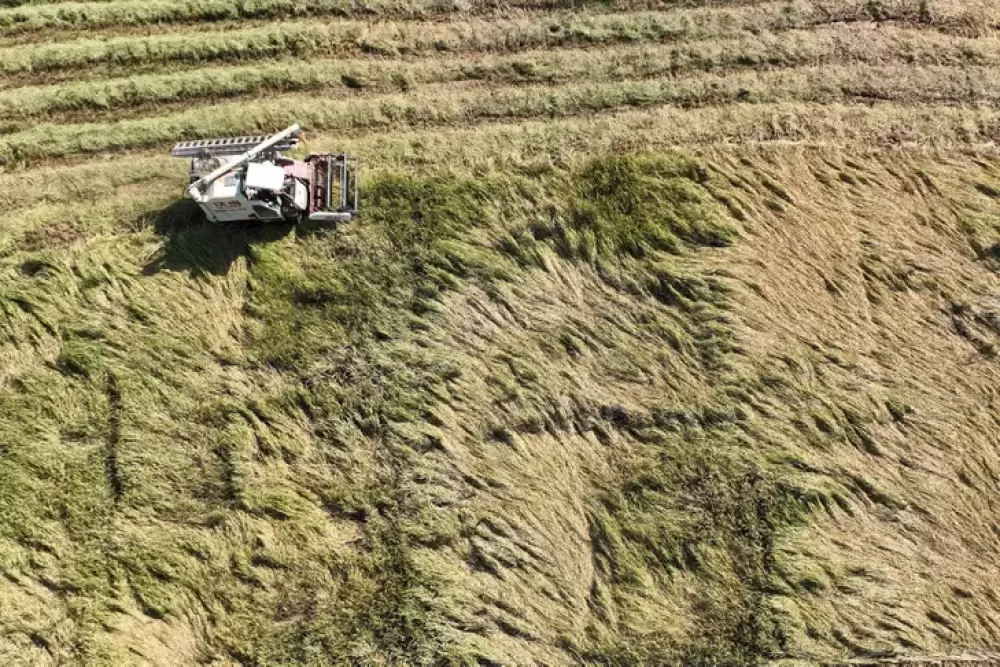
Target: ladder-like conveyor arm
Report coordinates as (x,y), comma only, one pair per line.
(196,190)
(228,145)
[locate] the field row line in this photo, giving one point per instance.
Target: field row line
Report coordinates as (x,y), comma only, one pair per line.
(792,49)
(498,13)
(47,25)
(52,62)
(445,105)
(24,17)
(381,39)
(129,13)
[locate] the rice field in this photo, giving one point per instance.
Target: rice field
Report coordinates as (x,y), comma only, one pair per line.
(667,335)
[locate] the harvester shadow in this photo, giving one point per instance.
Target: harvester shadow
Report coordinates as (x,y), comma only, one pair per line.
(200,247)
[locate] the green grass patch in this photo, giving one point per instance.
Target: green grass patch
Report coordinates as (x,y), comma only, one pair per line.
(687,506)
(634,206)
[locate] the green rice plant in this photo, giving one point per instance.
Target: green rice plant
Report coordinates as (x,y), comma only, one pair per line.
(637,206)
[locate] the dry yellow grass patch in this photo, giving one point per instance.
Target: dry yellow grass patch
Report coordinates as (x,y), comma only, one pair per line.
(668,335)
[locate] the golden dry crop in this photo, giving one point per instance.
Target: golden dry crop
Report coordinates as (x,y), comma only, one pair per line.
(668,334)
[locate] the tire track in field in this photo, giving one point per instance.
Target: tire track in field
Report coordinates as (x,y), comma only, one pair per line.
(114,479)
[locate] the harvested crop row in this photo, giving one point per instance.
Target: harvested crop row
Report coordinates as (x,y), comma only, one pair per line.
(447,105)
(380,39)
(795,48)
(120,55)
(23,3)
(636,62)
(117,16)
(437,10)
(32,4)
(92,15)
(128,13)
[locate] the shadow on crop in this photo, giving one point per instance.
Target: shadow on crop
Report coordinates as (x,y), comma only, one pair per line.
(199,247)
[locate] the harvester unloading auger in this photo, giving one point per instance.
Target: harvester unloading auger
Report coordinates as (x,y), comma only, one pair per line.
(237,179)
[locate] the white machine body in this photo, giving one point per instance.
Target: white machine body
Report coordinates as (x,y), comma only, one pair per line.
(261,185)
(224,201)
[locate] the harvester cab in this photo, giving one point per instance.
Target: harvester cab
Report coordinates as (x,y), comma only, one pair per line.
(245,179)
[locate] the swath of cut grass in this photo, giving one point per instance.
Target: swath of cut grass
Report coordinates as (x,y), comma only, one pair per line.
(22,3)
(124,13)
(120,55)
(353,37)
(429,106)
(794,48)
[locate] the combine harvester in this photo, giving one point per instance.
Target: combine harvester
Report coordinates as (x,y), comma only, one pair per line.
(245,179)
